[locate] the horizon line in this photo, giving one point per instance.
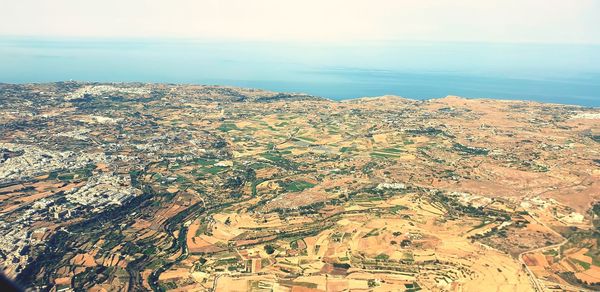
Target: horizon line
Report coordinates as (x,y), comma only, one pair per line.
(283,41)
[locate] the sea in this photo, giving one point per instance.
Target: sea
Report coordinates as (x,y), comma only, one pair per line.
(554,73)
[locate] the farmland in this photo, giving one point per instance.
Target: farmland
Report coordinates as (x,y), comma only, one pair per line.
(133,187)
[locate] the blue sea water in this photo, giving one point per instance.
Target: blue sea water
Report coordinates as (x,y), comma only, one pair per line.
(558,73)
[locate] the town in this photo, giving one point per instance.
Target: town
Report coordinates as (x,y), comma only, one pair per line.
(164,187)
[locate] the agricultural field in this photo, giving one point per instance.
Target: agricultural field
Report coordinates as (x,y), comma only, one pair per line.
(161,187)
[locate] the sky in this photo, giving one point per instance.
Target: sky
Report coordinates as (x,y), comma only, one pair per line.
(543,21)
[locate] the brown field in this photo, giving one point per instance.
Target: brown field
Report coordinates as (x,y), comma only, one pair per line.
(590,276)
(285,192)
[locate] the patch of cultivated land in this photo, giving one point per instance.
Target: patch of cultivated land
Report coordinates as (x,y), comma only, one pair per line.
(230,189)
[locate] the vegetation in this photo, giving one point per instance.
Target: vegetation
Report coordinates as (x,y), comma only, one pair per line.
(296,186)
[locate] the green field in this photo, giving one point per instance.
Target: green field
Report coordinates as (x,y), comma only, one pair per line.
(296,186)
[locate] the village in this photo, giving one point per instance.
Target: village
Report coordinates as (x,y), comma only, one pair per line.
(167,187)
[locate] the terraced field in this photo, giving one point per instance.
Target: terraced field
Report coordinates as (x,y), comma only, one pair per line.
(132,187)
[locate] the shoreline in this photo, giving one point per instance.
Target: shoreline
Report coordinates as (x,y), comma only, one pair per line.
(341,100)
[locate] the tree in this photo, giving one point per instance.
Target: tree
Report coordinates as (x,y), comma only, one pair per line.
(269,249)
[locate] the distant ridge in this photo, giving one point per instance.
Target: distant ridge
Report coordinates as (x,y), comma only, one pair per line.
(228,93)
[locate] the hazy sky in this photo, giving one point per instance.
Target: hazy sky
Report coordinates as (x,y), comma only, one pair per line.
(556,21)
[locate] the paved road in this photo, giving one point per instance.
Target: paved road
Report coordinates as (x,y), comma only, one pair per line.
(537,285)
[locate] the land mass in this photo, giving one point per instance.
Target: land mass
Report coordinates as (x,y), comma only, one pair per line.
(132,187)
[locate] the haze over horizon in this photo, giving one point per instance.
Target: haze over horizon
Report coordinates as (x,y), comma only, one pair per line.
(308,21)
